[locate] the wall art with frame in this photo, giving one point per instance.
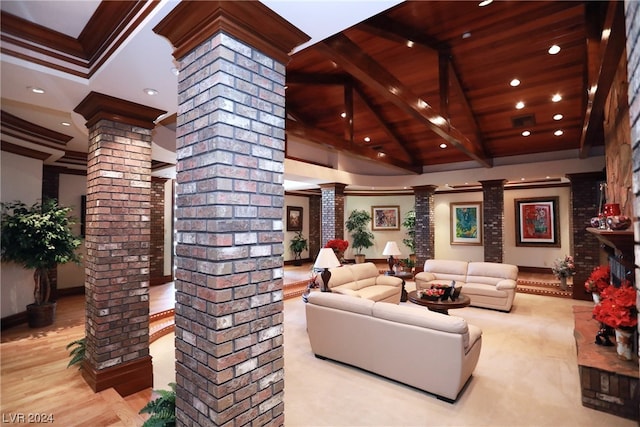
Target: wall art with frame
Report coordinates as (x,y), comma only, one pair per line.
(466,223)
(294,218)
(385,217)
(537,222)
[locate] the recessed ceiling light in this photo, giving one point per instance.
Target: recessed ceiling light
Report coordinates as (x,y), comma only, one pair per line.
(150,92)
(367,139)
(466,35)
(554,49)
(443,145)
(409,43)
(381,154)
(343,115)
(558,117)
(514,82)
(65,124)
(520,105)
(558,133)
(37,90)
(556,98)
(484,3)
(526,133)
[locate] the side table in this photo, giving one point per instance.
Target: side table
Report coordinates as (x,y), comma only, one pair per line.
(404,275)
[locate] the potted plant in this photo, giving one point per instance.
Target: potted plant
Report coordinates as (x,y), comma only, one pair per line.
(297,245)
(38,237)
(362,238)
(409,223)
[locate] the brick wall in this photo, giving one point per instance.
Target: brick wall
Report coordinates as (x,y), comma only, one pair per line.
(493,219)
(156,256)
(332,212)
(425,223)
(229,354)
(315,226)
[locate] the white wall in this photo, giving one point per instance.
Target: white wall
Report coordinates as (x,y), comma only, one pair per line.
(443,247)
(21,179)
(72,187)
(381,237)
(299,201)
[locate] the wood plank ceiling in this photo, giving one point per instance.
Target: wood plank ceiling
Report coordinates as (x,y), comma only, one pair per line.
(426,73)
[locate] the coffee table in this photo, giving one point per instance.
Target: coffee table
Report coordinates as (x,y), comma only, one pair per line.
(440,306)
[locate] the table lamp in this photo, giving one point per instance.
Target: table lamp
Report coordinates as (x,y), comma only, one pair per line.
(326,259)
(391,249)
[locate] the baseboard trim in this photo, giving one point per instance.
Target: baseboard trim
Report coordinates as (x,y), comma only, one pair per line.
(65,292)
(157,281)
(13,320)
(126,378)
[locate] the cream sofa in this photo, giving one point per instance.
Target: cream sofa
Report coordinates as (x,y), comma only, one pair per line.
(488,284)
(406,343)
(365,281)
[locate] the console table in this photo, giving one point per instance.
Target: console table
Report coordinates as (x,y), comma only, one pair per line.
(607,383)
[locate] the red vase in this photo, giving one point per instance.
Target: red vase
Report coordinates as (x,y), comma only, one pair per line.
(611,209)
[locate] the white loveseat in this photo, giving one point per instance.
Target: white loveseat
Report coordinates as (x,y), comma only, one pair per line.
(409,344)
(487,284)
(365,281)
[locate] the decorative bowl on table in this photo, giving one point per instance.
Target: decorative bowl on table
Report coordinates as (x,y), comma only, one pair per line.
(432,294)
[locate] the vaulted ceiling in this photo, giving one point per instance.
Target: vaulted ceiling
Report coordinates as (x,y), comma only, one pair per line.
(391,88)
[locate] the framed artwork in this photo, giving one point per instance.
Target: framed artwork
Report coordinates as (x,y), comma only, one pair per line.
(537,222)
(294,218)
(385,217)
(466,223)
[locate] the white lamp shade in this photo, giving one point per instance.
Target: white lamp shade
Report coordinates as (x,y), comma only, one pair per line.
(391,248)
(326,259)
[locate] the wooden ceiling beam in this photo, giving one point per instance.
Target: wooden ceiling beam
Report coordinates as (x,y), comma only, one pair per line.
(383,124)
(603,59)
(387,28)
(362,67)
(318,136)
(348,111)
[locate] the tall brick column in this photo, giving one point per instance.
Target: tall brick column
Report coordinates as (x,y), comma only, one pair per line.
(332,212)
(156,261)
(230,148)
(315,226)
(425,223)
(493,219)
(117,242)
(585,248)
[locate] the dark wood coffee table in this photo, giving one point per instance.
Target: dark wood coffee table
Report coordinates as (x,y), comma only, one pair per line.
(440,306)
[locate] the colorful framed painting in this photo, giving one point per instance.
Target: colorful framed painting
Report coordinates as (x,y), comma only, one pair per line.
(466,223)
(294,218)
(385,217)
(537,222)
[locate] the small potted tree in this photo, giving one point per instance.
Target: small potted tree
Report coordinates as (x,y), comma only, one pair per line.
(38,237)
(362,238)
(297,245)
(409,223)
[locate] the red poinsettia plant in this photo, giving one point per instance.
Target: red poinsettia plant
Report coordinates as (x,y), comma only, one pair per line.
(617,307)
(338,245)
(598,280)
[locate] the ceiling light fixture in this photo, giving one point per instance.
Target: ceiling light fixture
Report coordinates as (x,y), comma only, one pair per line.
(526,133)
(150,92)
(556,98)
(367,139)
(558,133)
(466,35)
(409,43)
(484,3)
(37,90)
(443,145)
(520,105)
(558,117)
(514,82)
(343,115)
(381,154)
(554,49)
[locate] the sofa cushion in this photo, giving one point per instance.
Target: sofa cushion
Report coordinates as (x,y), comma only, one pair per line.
(343,290)
(419,316)
(471,288)
(342,276)
(490,272)
(365,274)
(342,302)
(447,269)
(377,292)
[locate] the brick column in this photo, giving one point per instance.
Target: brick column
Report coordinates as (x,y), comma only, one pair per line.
(230,148)
(632,19)
(156,259)
(425,224)
(332,212)
(117,242)
(584,200)
(315,226)
(493,219)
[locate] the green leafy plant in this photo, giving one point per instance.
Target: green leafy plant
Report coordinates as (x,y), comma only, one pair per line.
(409,223)
(38,237)
(357,226)
(297,245)
(78,352)
(162,409)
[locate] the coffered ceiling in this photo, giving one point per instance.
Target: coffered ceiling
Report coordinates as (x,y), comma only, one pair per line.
(410,85)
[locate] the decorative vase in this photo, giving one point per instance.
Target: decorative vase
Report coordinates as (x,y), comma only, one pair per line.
(623,343)
(563,283)
(596,297)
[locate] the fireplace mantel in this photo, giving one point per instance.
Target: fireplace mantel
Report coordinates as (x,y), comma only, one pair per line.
(621,241)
